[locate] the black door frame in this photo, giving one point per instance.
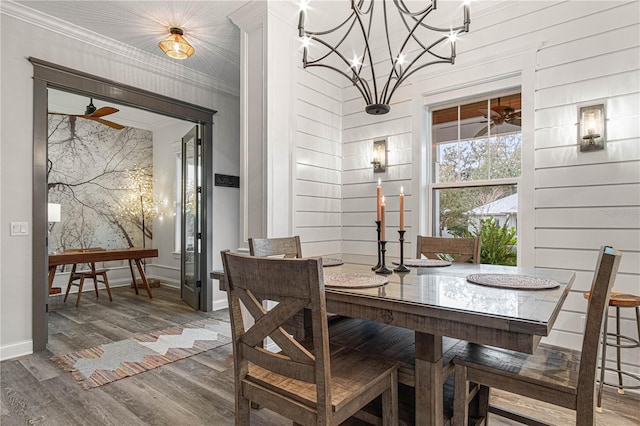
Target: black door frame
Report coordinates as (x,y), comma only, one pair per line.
(48,75)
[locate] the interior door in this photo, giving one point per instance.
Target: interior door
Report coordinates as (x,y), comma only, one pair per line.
(191,235)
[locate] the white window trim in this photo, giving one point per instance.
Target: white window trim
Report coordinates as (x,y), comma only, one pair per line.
(516,71)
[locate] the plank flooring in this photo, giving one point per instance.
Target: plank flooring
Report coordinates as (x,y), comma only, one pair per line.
(193,391)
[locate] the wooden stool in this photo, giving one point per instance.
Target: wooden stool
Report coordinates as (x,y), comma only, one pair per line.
(93,273)
(618,300)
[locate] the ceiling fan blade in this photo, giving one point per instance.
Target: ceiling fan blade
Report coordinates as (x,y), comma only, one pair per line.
(101,112)
(493,112)
(516,121)
(106,123)
(69,115)
(482,132)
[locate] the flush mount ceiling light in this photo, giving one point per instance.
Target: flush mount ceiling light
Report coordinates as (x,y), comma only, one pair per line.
(365,71)
(175,45)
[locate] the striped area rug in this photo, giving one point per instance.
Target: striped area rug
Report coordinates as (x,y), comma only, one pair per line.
(114,361)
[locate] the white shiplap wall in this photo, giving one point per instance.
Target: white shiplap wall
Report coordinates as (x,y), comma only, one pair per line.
(583,200)
(585,52)
(318,163)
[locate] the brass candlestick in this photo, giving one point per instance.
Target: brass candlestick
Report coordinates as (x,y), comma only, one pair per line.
(378,242)
(383,268)
(401,267)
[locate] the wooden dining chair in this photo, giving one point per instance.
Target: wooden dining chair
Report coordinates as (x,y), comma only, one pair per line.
(308,385)
(551,374)
(460,249)
(288,247)
(97,275)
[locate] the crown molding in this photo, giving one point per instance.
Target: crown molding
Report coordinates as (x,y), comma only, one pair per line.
(249,16)
(154,63)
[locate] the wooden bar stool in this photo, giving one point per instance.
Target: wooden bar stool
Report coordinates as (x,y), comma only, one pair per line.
(618,300)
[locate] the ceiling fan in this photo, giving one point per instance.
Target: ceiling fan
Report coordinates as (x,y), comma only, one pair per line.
(498,115)
(96,114)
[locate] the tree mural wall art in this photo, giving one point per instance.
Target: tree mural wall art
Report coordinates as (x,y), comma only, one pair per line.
(89,173)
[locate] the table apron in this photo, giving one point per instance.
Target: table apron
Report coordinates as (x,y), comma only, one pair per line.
(521,342)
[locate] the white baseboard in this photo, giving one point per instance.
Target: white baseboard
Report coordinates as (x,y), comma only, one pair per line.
(219,304)
(14,350)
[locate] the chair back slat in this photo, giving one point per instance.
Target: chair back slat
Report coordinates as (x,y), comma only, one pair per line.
(603,279)
(464,249)
(287,246)
(271,326)
(278,363)
(292,284)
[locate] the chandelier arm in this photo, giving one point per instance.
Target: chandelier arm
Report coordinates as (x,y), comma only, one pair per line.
(333,48)
(393,68)
(404,9)
(367,52)
(410,73)
(362,86)
(404,44)
(358,8)
(412,29)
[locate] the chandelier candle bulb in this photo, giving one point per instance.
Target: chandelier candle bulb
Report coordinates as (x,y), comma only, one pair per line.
(379,197)
(402,208)
(382,221)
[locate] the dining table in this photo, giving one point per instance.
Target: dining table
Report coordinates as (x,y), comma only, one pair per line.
(439,301)
(131,254)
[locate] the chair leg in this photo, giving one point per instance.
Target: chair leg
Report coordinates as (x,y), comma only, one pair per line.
(95,285)
(460,397)
(243,412)
(66,294)
(106,284)
(483,404)
(603,360)
(80,291)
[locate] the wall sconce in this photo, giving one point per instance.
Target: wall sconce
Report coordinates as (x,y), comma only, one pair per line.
(379,156)
(592,131)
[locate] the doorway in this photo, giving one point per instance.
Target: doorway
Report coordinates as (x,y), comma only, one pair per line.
(50,76)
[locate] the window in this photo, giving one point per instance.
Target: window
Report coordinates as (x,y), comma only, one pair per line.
(476,165)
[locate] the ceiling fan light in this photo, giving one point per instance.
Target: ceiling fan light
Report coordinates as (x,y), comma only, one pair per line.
(175,45)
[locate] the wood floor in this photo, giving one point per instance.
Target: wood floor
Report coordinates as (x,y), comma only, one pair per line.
(194,391)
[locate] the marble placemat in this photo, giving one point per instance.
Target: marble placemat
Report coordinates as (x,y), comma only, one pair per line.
(515,281)
(424,263)
(354,280)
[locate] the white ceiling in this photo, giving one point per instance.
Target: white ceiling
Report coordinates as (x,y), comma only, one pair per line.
(143,24)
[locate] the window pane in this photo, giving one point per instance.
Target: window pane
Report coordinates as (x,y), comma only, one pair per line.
(505,156)
(489,212)
(445,125)
(485,142)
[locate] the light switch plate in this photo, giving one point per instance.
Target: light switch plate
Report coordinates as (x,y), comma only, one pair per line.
(19,229)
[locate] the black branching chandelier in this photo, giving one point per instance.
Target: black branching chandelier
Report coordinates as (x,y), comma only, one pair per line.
(378,81)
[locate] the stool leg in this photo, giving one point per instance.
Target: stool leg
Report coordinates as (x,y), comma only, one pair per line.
(603,361)
(618,362)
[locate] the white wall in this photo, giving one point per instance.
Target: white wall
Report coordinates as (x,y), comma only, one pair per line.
(562,54)
(318,168)
(20,40)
